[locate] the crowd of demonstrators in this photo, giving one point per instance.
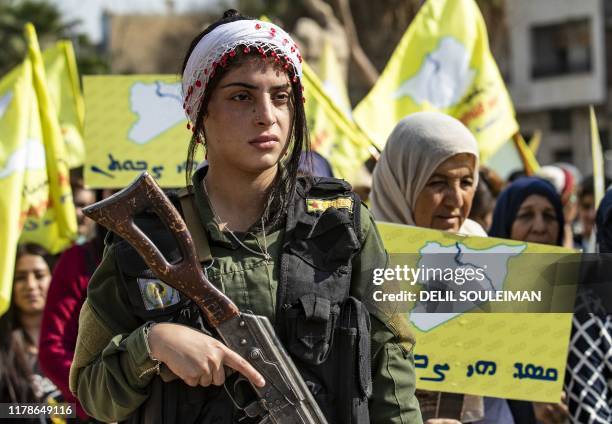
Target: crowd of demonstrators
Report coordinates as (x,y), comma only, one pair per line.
(257,210)
(21,380)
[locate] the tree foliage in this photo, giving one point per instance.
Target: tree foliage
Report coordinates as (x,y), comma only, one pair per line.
(50,27)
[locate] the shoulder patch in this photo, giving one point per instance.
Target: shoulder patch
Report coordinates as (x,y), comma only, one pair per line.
(321,205)
(156,294)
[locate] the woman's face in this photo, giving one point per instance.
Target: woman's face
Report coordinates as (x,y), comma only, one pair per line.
(249,117)
(31,282)
(536,221)
(446,200)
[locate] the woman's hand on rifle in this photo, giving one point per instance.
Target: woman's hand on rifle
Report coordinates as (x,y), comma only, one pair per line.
(196,358)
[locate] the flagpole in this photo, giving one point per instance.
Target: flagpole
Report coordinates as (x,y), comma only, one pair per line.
(520,145)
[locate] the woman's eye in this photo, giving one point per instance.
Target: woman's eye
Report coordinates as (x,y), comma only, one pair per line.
(240,96)
(281,97)
(436,183)
(468,182)
(525,216)
(549,217)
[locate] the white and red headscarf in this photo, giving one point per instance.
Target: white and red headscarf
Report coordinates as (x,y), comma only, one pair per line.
(214,49)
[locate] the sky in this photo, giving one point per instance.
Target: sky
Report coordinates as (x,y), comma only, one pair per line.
(90,11)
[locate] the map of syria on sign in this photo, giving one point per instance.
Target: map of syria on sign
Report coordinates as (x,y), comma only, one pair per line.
(133,124)
(158,106)
(454,345)
(436,255)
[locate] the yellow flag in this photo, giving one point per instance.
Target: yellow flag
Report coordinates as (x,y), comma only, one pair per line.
(15,156)
(442,62)
(598,160)
(56,212)
(334,135)
(64,88)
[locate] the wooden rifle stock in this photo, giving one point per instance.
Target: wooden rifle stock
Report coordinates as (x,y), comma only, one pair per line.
(117,213)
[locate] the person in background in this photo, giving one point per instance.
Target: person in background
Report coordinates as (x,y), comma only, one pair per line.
(60,324)
(312,163)
(82,197)
(427,176)
(588,377)
(564,181)
(586,212)
(68,291)
(530,210)
(21,380)
(489,187)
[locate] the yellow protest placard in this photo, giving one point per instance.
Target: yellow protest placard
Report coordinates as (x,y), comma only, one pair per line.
(494,353)
(134,123)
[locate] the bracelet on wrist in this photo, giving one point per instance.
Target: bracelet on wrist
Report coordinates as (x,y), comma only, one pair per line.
(156,367)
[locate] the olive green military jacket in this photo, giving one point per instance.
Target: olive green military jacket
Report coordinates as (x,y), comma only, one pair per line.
(111,372)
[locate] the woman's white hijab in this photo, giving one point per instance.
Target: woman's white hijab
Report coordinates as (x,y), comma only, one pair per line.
(418,144)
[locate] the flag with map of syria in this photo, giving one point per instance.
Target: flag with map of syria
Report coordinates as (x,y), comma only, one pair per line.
(442,63)
(134,123)
(502,346)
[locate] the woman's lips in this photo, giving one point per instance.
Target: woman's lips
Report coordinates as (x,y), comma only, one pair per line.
(264,142)
(448,218)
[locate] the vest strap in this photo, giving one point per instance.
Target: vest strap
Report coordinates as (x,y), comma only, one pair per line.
(198,233)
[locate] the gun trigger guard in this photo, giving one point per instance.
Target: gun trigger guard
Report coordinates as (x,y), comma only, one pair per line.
(253,409)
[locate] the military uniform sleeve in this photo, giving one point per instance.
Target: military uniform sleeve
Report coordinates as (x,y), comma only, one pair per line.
(111,369)
(393,397)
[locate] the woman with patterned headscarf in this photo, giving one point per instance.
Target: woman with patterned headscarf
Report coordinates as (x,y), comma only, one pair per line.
(297,250)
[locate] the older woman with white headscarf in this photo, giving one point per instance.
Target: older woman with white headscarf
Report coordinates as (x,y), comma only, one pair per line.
(427,176)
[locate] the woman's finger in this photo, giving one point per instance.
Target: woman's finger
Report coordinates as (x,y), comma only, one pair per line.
(218,375)
(206,379)
(237,362)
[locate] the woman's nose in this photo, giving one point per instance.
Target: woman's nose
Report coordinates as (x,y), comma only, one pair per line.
(263,113)
(454,196)
(30,281)
(539,224)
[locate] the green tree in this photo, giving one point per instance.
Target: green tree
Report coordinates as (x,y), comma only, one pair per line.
(50,27)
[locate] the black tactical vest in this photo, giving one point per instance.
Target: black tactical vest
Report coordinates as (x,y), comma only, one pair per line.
(325,330)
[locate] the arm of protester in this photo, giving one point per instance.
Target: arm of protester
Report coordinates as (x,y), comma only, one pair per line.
(551,413)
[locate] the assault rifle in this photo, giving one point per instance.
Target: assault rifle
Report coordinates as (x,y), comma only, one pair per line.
(285,399)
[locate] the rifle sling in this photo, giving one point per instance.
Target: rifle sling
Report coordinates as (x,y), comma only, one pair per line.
(198,233)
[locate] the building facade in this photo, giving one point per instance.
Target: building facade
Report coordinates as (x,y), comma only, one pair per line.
(558,66)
